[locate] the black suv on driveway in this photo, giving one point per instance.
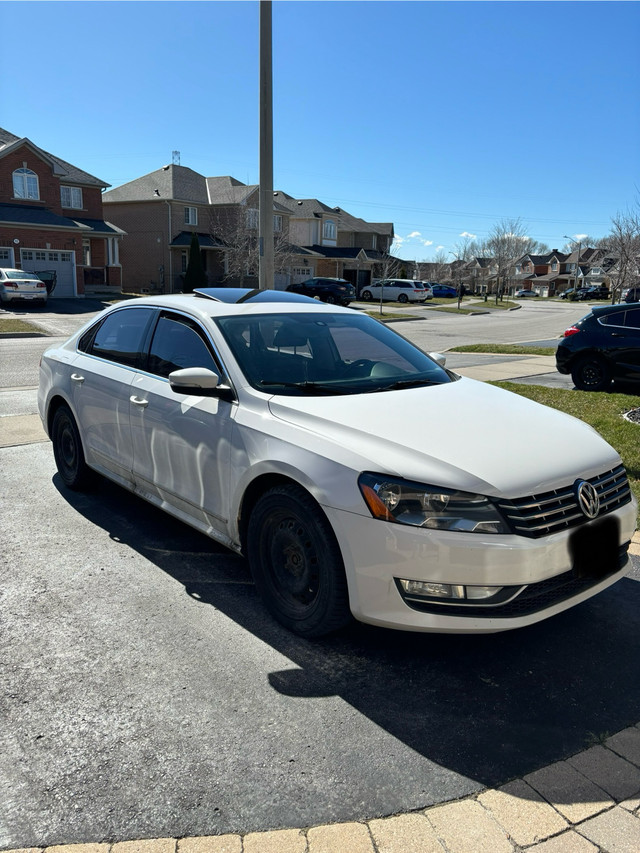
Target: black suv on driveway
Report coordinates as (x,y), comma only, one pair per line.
(336,291)
(603,346)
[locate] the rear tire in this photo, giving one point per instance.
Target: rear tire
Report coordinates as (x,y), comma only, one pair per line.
(367,295)
(591,373)
(403,298)
(296,563)
(68,452)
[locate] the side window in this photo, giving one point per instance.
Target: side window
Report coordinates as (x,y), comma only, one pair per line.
(176,344)
(632,320)
(120,337)
(615,319)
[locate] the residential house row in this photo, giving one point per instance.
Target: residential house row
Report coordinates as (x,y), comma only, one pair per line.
(160,211)
(51,219)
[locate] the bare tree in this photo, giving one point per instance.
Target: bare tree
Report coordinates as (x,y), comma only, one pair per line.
(623,245)
(507,242)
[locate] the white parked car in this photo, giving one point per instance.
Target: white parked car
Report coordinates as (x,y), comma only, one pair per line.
(277,425)
(18,284)
(396,290)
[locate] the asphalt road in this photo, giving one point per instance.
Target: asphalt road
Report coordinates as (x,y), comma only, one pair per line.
(145,692)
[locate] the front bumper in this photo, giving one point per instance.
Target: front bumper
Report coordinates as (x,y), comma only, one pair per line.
(377,553)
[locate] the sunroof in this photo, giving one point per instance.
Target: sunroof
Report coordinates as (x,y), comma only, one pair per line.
(244,294)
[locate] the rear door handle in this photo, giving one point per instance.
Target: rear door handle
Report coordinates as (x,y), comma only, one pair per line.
(77,378)
(138,401)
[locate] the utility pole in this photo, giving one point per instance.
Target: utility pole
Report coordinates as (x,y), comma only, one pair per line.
(266,262)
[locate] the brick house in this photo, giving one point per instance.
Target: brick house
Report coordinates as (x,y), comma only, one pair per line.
(51,219)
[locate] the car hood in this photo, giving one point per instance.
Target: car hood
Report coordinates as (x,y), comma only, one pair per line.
(464,434)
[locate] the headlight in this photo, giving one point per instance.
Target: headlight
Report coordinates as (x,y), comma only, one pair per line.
(419,505)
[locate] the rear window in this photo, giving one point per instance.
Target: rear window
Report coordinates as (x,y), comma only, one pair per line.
(22,276)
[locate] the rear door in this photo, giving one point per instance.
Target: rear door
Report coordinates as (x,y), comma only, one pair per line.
(100,378)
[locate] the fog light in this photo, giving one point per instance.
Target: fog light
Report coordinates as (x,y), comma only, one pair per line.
(429,589)
(433,589)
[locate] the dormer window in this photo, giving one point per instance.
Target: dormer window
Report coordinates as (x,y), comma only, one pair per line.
(71,197)
(554,266)
(329,230)
(25,184)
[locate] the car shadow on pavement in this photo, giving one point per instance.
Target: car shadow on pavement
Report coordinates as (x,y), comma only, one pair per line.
(490,707)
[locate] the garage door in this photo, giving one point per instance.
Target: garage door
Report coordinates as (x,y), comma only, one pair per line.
(62,263)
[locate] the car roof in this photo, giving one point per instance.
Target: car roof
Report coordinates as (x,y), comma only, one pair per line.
(227,301)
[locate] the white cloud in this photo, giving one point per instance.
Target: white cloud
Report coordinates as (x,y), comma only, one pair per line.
(414,234)
(439,247)
(467,234)
(427,242)
(580,236)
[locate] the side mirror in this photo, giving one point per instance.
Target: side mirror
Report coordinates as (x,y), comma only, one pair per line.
(438,358)
(199,381)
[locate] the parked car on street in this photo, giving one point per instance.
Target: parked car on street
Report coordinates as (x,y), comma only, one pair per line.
(604,345)
(586,294)
(335,291)
(18,284)
(396,290)
(443,291)
(275,424)
(524,293)
(632,295)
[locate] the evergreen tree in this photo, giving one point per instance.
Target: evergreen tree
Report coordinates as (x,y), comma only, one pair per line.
(195,275)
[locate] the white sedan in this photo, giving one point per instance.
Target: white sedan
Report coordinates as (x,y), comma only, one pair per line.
(301,435)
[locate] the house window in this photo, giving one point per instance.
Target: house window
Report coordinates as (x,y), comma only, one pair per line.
(191,216)
(25,184)
(71,197)
(86,253)
(252,218)
(374,241)
(184,260)
(329,230)
(277,222)
(113,252)
(554,266)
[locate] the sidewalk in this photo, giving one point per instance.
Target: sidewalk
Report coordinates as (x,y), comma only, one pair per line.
(588,803)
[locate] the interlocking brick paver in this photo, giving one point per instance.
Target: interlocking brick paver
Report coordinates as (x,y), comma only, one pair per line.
(211,844)
(523,813)
(627,744)
(568,842)
(155,845)
(631,805)
(351,837)
(280,841)
(617,831)
(615,775)
(411,832)
(466,827)
(573,795)
(78,848)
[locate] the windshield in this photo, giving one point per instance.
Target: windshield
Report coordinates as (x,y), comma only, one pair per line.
(329,354)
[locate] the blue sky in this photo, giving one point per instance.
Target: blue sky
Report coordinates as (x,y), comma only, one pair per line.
(441,117)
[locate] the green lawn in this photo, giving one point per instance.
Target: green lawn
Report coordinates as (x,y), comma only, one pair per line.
(602,411)
(509,349)
(9,325)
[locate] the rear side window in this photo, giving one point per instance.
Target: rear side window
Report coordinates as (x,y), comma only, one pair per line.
(120,337)
(614,319)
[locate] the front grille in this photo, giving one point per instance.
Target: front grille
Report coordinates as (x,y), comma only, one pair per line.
(532,599)
(550,512)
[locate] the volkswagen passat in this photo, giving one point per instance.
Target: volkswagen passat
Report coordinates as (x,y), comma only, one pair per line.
(277,425)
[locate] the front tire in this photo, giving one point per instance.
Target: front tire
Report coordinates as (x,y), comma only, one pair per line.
(591,373)
(296,562)
(67,450)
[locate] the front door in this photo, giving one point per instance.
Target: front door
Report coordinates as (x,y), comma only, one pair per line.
(181,442)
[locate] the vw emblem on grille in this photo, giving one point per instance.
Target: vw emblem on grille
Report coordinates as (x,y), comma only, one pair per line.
(588,499)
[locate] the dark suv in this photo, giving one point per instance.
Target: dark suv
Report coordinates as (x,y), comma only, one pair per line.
(603,346)
(336,291)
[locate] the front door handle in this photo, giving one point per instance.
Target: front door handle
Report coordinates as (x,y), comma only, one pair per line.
(138,401)
(77,378)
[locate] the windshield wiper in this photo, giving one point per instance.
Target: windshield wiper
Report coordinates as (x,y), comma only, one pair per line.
(307,386)
(408,383)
